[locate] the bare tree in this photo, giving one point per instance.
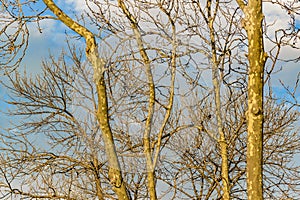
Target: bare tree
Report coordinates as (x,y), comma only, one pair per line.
(160,101)
(195,172)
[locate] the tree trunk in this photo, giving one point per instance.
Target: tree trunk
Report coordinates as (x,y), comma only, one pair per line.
(257,58)
(146,138)
(217,94)
(114,173)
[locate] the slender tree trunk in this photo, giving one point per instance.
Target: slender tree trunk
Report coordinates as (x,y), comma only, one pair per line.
(217,93)
(151,180)
(257,57)
(114,173)
(222,139)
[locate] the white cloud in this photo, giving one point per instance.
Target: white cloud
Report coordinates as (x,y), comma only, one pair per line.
(277,18)
(77,5)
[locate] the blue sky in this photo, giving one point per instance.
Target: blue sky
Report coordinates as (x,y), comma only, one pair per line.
(53,37)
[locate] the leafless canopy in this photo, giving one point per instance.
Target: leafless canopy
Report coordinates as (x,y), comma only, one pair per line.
(175,79)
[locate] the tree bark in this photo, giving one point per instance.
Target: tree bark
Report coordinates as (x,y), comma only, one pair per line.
(151,180)
(217,93)
(114,173)
(256,57)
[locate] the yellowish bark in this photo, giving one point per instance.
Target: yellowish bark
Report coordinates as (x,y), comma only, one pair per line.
(216,82)
(151,103)
(257,57)
(222,139)
(114,174)
(172,88)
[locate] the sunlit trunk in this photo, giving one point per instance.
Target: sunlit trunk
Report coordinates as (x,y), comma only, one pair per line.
(257,57)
